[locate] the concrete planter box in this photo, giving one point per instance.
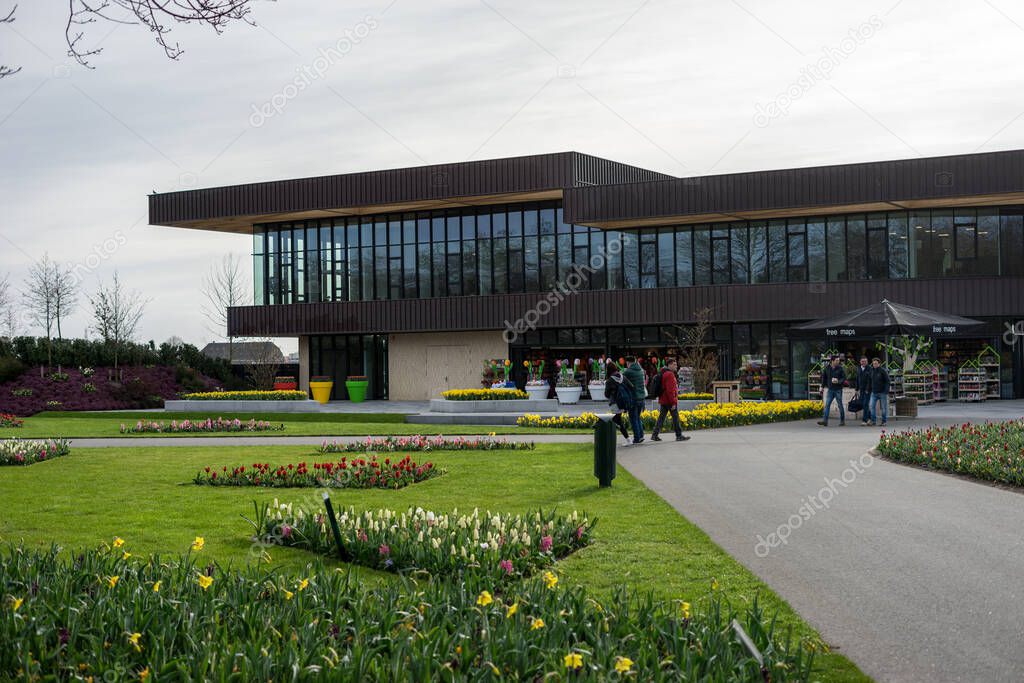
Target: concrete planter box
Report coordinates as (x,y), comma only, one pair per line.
(690,405)
(228,408)
(518,406)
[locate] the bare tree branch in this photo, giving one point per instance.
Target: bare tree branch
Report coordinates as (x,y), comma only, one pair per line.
(116,313)
(223,287)
(8,319)
(156,15)
(5,70)
(40,298)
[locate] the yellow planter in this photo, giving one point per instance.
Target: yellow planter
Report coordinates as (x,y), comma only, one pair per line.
(321,391)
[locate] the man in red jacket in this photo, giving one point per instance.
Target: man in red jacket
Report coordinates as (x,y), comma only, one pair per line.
(668,401)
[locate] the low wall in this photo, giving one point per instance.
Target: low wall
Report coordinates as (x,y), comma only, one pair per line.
(228,407)
(518,406)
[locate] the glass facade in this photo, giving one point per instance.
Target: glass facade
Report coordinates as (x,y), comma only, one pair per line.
(528,248)
(340,356)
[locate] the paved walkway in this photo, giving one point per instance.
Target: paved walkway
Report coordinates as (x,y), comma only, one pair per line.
(205,441)
(914,575)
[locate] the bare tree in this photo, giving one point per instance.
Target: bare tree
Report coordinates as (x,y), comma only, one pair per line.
(65,294)
(266,361)
(155,15)
(8,320)
(224,286)
(692,341)
(41,298)
(5,70)
(116,313)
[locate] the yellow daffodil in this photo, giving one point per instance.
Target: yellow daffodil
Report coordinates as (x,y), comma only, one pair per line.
(16,604)
(288,595)
(684,608)
(623,664)
(144,674)
(118,542)
(550,580)
(198,544)
(134,640)
(484,599)
(112,581)
(303,585)
(127,555)
(714,584)
(573,660)
(156,587)
(511,610)
(204,581)
(536,623)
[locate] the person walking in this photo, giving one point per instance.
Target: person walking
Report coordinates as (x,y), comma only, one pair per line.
(634,374)
(879,391)
(833,377)
(668,401)
(864,390)
(619,395)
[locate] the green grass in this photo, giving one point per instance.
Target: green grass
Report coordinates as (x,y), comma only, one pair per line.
(84,425)
(143,496)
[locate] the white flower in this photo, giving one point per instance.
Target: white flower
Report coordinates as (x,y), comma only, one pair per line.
(484,546)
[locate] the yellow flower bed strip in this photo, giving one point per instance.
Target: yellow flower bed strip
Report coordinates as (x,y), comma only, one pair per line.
(484,394)
(246,396)
(707,416)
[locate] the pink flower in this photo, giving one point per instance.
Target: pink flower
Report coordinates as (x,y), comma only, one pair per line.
(545,543)
(384,549)
(579,533)
(286,531)
(506,566)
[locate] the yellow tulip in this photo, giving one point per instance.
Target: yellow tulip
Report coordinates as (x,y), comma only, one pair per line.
(204,581)
(573,660)
(623,664)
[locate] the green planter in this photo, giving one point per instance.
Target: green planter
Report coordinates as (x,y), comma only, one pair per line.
(356,389)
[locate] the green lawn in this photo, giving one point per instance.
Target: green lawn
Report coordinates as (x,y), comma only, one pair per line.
(84,424)
(144,496)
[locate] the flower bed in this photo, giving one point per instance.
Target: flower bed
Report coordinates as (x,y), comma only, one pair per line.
(29,451)
(200,426)
(246,396)
(497,546)
(7,421)
(392,444)
(707,416)
(696,397)
(484,394)
(357,473)
(103,613)
(989,451)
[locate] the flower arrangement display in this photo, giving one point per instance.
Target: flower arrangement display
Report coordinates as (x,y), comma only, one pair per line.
(357,473)
(246,396)
(325,626)
(706,416)
(567,372)
(87,372)
(22,392)
(498,373)
(693,396)
(992,451)
(7,420)
(29,451)
(484,394)
(200,426)
(418,443)
(89,387)
(535,373)
(285,383)
(598,369)
(501,547)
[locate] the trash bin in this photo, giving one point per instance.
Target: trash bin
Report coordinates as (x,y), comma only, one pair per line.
(604,450)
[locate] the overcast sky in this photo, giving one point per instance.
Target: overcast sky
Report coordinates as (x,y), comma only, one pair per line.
(685,88)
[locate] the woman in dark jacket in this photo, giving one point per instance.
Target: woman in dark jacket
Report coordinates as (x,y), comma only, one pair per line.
(618,396)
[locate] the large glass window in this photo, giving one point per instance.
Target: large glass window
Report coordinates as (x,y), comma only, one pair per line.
(816,252)
(899,264)
(740,256)
(684,257)
(701,255)
(759,253)
(666,258)
(1011,236)
(856,248)
(777,250)
(836,235)
(630,260)
(721,256)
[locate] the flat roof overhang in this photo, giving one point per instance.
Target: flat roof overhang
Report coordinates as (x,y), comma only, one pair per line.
(1005,199)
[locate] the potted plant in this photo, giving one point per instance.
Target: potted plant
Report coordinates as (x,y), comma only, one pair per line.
(598,375)
(536,386)
(321,388)
(568,387)
(502,374)
(284,383)
(356,387)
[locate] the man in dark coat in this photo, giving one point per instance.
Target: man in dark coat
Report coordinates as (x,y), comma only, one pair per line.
(864,389)
(833,377)
(879,392)
(634,374)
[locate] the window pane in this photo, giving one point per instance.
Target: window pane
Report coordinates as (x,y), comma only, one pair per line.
(483,224)
(340,275)
(437,227)
(453,231)
(777,250)
(942,243)
(988,241)
(500,266)
(797,257)
(532,261)
(469,227)
(409,281)
(394,230)
(898,246)
(878,269)
(702,255)
(856,248)
(366,265)
(630,260)
(816,249)
(721,271)
(312,276)
(530,222)
(599,278)
(498,223)
(548,265)
(740,256)
(422,229)
(564,256)
(484,259)
(648,260)
(515,265)
(438,264)
(259,240)
(684,257)
(454,257)
(836,231)
(259,275)
(409,228)
(423,265)
(965,242)
(666,259)
(614,251)
(1011,233)
(299,276)
(515,223)
(354,275)
(380,232)
(547,221)
(758,252)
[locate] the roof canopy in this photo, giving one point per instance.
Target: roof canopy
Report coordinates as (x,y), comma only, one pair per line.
(885,318)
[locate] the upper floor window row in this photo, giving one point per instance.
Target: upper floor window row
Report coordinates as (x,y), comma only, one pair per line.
(528,248)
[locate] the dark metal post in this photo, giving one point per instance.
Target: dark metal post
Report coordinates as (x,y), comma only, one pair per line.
(334,526)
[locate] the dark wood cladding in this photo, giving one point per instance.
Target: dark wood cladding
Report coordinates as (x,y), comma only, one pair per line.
(437,182)
(972,297)
(912,179)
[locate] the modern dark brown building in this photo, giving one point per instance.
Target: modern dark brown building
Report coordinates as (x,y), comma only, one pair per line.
(416,276)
